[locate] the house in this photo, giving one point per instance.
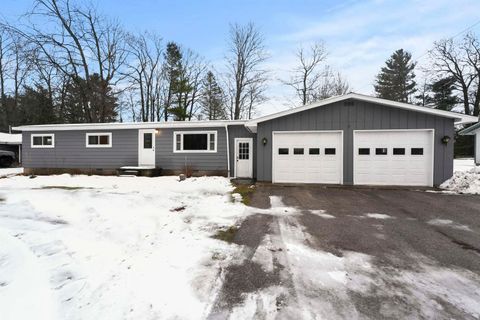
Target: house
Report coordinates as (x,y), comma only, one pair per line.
(474,131)
(348,139)
(13,143)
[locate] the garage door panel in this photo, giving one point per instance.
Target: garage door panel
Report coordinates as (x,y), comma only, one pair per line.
(313,166)
(400,168)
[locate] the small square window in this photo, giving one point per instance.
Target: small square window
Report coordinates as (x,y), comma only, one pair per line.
(37,141)
(416,151)
(104,140)
(282,150)
(297,150)
(330,151)
(381,151)
(363,151)
(314,151)
(399,151)
(92,140)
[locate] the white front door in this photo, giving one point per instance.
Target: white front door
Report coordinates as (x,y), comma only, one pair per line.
(307,157)
(393,157)
(146,148)
(244,157)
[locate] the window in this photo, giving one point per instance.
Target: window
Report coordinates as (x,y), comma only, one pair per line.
(195,141)
(330,150)
(416,151)
(244,150)
(282,150)
(314,151)
(43,140)
(297,150)
(363,151)
(399,151)
(147,140)
(381,151)
(99,140)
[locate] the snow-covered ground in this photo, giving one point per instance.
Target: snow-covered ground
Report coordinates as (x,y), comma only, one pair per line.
(6,172)
(91,247)
(465,179)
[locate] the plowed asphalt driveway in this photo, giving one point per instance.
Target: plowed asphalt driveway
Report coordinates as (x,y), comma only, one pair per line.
(355,253)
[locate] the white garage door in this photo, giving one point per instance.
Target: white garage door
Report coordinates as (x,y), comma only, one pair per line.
(384,157)
(307,157)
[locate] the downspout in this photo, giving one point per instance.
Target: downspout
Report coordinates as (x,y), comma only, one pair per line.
(228,151)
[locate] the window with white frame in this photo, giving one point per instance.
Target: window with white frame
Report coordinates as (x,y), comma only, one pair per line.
(99,140)
(43,140)
(195,141)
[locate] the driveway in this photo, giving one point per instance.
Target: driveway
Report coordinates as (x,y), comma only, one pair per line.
(355,253)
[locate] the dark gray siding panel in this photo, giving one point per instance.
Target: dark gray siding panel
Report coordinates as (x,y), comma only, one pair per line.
(239,131)
(70,151)
(169,160)
(360,116)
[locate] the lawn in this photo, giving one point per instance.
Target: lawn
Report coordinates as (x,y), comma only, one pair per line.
(81,247)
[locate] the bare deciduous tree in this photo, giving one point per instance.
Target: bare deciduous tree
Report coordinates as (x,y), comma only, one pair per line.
(331,84)
(144,73)
(246,55)
(306,77)
(461,61)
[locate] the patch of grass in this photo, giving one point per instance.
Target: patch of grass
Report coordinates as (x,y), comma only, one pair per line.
(63,188)
(246,191)
(226,235)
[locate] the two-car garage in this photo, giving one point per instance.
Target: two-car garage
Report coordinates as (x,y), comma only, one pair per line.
(380,157)
(357,139)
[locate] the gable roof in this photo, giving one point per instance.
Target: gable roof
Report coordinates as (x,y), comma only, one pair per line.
(459,118)
(470,130)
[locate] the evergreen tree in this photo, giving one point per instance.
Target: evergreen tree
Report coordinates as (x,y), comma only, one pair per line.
(442,91)
(212,101)
(396,80)
(174,77)
(35,107)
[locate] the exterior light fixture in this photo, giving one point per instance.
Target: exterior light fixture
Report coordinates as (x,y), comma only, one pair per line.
(264,141)
(157,132)
(445,139)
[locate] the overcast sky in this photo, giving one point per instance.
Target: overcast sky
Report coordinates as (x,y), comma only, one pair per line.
(359,35)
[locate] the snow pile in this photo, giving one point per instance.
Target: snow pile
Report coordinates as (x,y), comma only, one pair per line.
(380,216)
(80,247)
(464,181)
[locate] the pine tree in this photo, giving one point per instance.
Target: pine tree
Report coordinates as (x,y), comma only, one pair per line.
(396,80)
(173,73)
(212,101)
(442,97)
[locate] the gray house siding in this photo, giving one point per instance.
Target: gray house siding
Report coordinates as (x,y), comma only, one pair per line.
(207,161)
(70,151)
(239,131)
(359,116)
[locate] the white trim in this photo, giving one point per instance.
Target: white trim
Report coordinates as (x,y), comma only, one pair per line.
(342,154)
(250,140)
(228,151)
(459,117)
(90,134)
(42,135)
(207,132)
(131,125)
(394,130)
